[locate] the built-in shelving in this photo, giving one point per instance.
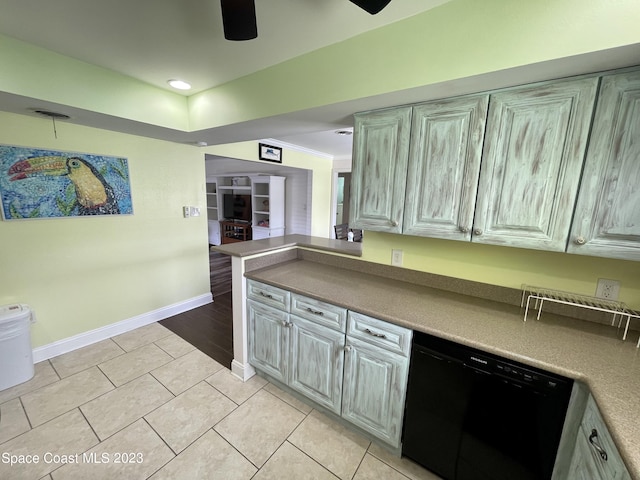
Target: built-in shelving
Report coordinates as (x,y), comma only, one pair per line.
(267,204)
(212,201)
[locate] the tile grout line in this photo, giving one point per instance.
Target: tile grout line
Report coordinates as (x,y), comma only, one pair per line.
(25,416)
(286,440)
(79,407)
(309,456)
(175,455)
(239,452)
(387,464)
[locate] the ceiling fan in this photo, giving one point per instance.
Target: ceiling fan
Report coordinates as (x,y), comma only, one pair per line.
(239,16)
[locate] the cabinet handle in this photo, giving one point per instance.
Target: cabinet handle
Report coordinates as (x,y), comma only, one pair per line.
(580,241)
(477,231)
(394,223)
(374,334)
(592,440)
(266,295)
(315,312)
(347,348)
(464,229)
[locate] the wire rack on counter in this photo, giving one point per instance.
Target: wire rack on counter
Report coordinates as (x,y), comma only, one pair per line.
(618,310)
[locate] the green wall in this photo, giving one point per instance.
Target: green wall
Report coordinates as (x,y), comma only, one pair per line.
(457,40)
(35,72)
(506,266)
(80,274)
(460,39)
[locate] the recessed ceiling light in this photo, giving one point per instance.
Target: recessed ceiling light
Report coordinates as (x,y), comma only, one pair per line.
(179,84)
(344,132)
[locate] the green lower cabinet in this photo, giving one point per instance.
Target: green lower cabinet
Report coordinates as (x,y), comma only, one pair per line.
(347,363)
(316,362)
(582,466)
(269,340)
(375,382)
(595,456)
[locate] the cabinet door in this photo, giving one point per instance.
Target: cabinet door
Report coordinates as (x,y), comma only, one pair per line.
(607,218)
(269,340)
(597,436)
(582,465)
(380,152)
(532,159)
(444,164)
(317,362)
(375,383)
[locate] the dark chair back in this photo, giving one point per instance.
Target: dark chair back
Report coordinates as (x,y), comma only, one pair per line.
(341,231)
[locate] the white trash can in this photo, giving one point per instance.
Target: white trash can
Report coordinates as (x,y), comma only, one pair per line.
(16,357)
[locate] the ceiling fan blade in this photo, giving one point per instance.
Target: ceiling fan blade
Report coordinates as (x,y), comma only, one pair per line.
(239,19)
(371,6)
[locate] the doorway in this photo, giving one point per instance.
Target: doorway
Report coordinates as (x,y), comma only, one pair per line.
(343,193)
(341,197)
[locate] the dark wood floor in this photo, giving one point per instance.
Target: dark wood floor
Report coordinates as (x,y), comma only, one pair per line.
(210,328)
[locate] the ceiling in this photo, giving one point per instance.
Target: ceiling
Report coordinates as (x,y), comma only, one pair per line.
(158,40)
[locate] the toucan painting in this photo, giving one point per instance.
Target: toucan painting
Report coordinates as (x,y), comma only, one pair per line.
(42,183)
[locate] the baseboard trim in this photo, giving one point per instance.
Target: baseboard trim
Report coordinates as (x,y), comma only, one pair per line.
(243,371)
(69,344)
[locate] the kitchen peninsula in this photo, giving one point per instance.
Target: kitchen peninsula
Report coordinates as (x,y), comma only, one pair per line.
(470,313)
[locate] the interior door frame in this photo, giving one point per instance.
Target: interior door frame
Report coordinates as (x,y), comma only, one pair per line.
(334,197)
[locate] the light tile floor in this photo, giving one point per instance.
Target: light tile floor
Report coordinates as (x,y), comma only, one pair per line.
(148,405)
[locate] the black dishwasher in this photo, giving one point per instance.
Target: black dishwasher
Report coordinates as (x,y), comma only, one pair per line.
(471,415)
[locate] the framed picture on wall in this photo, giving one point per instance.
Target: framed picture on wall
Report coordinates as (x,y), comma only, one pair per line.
(270,153)
(38,183)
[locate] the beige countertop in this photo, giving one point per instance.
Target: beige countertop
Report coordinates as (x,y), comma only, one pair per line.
(253,247)
(585,351)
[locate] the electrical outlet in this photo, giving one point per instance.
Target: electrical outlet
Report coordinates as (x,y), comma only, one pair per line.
(396,258)
(608,289)
(186,211)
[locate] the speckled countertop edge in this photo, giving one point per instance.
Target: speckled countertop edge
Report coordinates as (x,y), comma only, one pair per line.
(254,247)
(591,353)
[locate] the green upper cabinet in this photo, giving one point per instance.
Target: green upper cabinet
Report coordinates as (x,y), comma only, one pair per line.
(538,166)
(381,149)
(607,217)
(444,163)
(533,155)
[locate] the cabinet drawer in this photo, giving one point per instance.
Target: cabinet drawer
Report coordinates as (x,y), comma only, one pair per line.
(319,312)
(269,295)
(380,333)
(613,467)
